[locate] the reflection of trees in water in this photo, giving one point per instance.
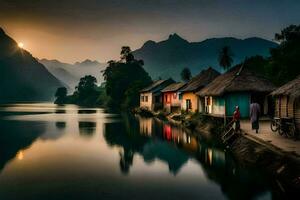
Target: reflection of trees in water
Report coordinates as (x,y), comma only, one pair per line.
(126,160)
(166,152)
(236,183)
(60,111)
(87,128)
(60,125)
(116,134)
(127,136)
(87,111)
(17,135)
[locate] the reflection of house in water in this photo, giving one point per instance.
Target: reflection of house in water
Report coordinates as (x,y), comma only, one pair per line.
(173,146)
(146,126)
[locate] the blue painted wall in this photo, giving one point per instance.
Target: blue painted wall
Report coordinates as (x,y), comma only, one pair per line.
(238,99)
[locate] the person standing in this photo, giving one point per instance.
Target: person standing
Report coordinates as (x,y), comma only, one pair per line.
(236,119)
(254,115)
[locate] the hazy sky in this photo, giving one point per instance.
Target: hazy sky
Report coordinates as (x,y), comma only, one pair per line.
(73,30)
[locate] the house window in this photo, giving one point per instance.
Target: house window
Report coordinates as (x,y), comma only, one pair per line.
(180,96)
(142,98)
(188,104)
(146,98)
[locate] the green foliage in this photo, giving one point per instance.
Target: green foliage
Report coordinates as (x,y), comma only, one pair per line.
(87,93)
(285,60)
(61,94)
(225,57)
(283,64)
(125,80)
(126,54)
(186,74)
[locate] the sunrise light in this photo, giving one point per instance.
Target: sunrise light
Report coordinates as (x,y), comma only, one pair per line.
(20,44)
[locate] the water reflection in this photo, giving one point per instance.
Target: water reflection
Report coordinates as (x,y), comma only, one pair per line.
(60,125)
(87,111)
(130,158)
(16,136)
(175,147)
(87,129)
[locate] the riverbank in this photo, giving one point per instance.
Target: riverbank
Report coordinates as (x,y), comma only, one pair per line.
(248,149)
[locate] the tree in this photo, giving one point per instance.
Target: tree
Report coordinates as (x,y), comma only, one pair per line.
(86,85)
(283,64)
(61,94)
(288,34)
(186,74)
(285,59)
(87,92)
(225,57)
(126,54)
(124,81)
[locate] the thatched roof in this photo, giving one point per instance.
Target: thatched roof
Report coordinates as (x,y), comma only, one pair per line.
(237,79)
(291,88)
(173,87)
(156,84)
(201,80)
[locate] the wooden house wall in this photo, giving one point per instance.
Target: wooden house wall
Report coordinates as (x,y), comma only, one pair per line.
(297,112)
(284,106)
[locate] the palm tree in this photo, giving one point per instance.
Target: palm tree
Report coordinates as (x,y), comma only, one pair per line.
(225,57)
(186,74)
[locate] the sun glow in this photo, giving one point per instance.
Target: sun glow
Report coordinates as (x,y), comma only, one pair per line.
(20,44)
(20,155)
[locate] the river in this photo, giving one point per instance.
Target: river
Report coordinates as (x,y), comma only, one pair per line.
(68,152)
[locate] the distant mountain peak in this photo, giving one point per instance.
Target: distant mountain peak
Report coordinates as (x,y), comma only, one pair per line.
(177,38)
(168,57)
(149,43)
(87,62)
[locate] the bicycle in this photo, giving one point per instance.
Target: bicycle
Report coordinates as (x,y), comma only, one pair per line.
(275,124)
(284,126)
(287,127)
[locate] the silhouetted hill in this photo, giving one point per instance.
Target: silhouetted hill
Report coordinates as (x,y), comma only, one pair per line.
(71,73)
(22,77)
(167,58)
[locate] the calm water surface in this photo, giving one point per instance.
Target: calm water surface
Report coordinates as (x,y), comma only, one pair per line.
(67,152)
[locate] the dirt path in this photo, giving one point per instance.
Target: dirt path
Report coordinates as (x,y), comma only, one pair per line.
(268,137)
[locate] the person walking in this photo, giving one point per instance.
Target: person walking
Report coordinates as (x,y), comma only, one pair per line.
(254,115)
(236,119)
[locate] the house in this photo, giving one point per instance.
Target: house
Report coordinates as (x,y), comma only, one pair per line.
(287,101)
(190,101)
(237,87)
(151,96)
(171,97)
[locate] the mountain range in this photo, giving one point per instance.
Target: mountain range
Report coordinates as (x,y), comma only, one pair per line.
(22,77)
(70,74)
(25,78)
(167,58)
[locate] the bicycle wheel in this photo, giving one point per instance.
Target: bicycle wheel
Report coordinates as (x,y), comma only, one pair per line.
(291,131)
(280,131)
(274,126)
